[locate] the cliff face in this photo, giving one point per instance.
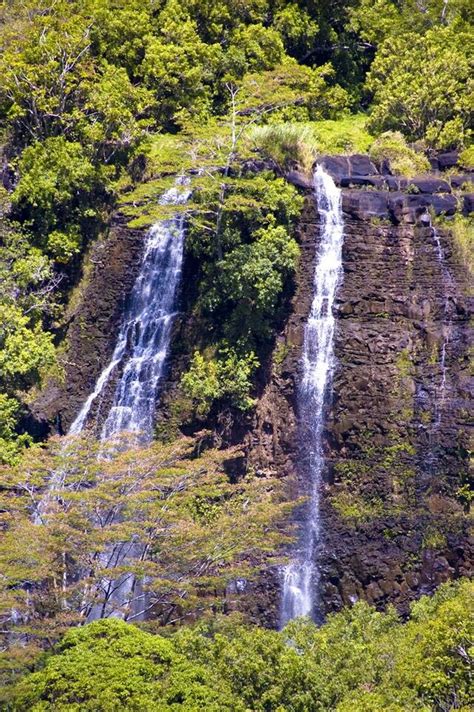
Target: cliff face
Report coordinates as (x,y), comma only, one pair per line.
(393,515)
(92,325)
(393,512)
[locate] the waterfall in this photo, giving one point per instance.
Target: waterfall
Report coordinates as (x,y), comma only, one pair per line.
(138,363)
(300,576)
(446,327)
(144,336)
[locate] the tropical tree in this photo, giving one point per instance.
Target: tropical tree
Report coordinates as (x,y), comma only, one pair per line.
(100,530)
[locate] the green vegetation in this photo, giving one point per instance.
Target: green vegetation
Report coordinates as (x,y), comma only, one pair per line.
(102,104)
(359,660)
(198,531)
(466,158)
(346,135)
(407,98)
(403,160)
(379,482)
(241,236)
(462,230)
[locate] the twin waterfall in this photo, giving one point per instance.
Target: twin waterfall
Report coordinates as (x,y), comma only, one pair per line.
(137,367)
(300,576)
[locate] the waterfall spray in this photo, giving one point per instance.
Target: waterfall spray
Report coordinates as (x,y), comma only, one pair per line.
(447,326)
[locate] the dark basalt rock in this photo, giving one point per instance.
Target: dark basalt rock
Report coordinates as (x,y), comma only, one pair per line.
(300,180)
(457,181)
(93,326)
(417,185)
(444,204)
(361,165)
(430,185)
(337,166)
(468,204)
(407,208)
(346,170)
(447,160)
(393,526)
(395,183)
(355,181)
(364,204)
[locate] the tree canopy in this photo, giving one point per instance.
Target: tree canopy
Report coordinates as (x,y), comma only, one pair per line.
(359,660)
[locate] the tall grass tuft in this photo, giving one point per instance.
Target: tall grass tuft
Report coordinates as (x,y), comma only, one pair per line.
(288,145)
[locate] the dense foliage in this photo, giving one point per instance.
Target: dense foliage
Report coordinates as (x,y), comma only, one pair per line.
(86,86)
(195,530)
(359,660)
(102,103)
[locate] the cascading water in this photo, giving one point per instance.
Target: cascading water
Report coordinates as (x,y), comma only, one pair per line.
(139,357)
(300,576)
(447,285)
(143,340)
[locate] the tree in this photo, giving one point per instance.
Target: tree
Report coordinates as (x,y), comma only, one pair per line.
(360,659)
(57,185)
(427,92)
(166,530)
(109,665)
(178,66)
(27,286)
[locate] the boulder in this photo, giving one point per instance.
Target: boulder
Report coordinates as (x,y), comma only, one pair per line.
(430,185)
(409,208)
(443,204)
(395,182)
(447,160)
(361,165)
(421,185)
(365,204)
(336,166)
(346,170)
(300,180)
(468,204)
(461,179)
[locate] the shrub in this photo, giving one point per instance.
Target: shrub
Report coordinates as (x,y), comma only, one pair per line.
(227,376)
(466,158)
(403,160)
(462,229)
(285,144)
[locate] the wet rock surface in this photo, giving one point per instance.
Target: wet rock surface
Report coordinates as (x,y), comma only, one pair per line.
(394,521)
(92,326)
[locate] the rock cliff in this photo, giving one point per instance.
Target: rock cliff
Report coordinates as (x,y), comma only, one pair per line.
(394,513)
(394,518)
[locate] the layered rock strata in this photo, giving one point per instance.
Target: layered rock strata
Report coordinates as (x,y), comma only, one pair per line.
(394,510)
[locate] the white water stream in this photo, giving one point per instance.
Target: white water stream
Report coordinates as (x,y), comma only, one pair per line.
(138,363)
(448,283)
(143,340)
(300,576)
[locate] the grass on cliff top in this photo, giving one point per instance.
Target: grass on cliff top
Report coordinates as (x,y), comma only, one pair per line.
(302,142)
(342,136)
(206,148)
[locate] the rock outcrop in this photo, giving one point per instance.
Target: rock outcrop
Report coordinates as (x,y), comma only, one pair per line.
(394,510)
(93,323)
